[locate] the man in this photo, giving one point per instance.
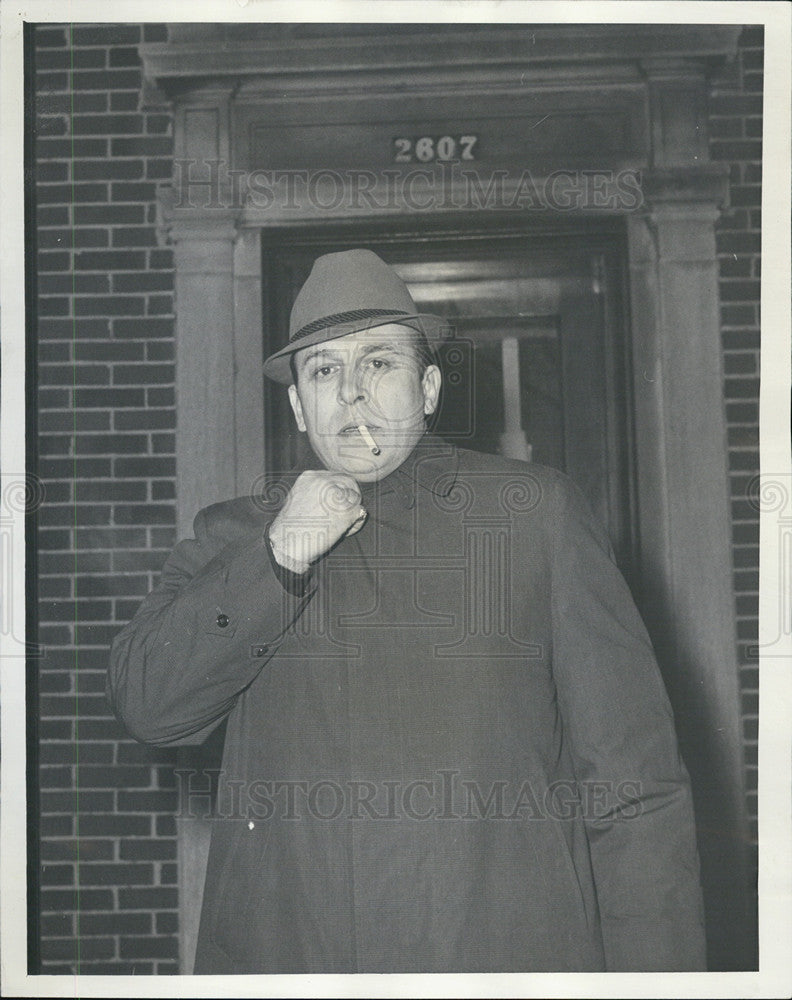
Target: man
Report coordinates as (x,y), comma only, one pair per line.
(448,744)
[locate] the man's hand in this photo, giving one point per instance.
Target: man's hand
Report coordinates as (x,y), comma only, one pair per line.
(321,508)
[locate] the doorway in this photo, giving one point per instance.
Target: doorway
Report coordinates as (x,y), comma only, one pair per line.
(535,367)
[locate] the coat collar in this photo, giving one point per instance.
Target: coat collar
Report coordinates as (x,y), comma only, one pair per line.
(432,465)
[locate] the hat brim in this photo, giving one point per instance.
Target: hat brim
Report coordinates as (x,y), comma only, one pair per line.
(278,365)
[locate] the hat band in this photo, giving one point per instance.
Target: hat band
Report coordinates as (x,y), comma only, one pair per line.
(345,317)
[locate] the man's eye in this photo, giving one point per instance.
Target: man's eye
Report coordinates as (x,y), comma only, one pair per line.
(324,372)
(378,364)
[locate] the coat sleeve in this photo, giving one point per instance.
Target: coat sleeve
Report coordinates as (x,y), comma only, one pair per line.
(200,638)
(635,790)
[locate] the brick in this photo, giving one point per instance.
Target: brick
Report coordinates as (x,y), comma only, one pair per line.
(158,124)
(79,374)
(163,444)
(54,539)
(112,124)
(124,585)
(109,397)
(156,849)
(49,239)
(145,467)
(52,172)
(124,101)
(163,491)
(52,875)
(54,587)
(49,37)
(144,419)
(54,729)
(135,236)
(97,635)
(155,33)
(736,149)
(116,874)
(51,81)
(159,305)
(152,801)
(753,129)
(115,923)
(54,444)
(52,215)
(108,260)
(57,925)
(746,195)
(55,826)
(738,315)
(51,777)
(110,350)
(743,363)
(53,306)
(726,128)
(72,802)
(76,468)
(46,126)
(109,215)
(159,170)
(91,682)
(154,146)
(53,399)
(745,388)
(88,238)
(110,170)
(106,34)
(167,923)
(146,514)
(148,281)
(112,538)
(71,149)
(129,191)
(115,825)
(70,193)
(143,374)
(149,947)
(148,899)
(52,261)
(143,328)
(68,284)
(159,351)
(109,79)
(165,826)
(161,260)
(116,776)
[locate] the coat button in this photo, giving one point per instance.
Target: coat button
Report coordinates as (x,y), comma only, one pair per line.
(222,620)
(260,650)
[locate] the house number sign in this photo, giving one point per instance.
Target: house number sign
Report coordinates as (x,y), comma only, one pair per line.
(427,148)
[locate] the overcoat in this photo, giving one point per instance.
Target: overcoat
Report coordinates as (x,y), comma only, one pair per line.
(448,748)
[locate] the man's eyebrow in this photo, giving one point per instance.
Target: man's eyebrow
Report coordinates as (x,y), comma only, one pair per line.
(318,353)
(396,348)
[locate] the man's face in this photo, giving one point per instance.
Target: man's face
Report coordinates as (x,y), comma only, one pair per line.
(374,379)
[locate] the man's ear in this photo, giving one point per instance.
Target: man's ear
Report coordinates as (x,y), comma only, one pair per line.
(430,383)
(296,406)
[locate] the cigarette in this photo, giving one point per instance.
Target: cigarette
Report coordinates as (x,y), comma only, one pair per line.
(366,435)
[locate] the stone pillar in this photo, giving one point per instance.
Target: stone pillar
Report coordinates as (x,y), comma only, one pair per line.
(683,504)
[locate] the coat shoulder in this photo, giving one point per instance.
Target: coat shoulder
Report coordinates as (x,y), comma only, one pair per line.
(230,520)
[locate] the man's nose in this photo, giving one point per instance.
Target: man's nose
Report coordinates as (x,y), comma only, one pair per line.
(350,389)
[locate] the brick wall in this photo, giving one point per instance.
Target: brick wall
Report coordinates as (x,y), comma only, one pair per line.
(736,139)
(106,421)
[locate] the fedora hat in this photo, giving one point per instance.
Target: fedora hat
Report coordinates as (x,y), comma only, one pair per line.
(348,292)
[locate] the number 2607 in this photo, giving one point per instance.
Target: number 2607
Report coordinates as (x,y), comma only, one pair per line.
(427,148)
